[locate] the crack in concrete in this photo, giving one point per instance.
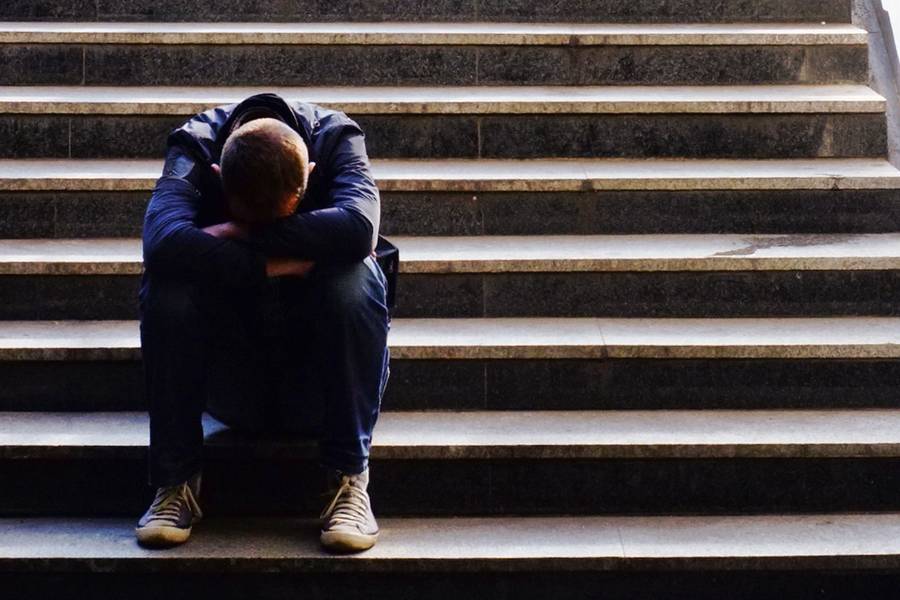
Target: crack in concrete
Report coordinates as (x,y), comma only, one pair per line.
(755,244)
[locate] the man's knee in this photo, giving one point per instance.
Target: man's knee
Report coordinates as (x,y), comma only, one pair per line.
(168,301)
(351,290)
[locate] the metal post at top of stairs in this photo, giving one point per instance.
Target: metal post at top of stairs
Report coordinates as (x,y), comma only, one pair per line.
(881,18)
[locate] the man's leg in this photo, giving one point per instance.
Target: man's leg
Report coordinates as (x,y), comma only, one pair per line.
(341,319)
(173,347)
(185,329)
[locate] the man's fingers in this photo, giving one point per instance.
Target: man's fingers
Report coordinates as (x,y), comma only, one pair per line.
(229,230)
(300,268)
(288,267)
(220,230)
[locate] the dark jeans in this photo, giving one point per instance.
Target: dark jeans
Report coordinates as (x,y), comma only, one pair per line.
(301,354)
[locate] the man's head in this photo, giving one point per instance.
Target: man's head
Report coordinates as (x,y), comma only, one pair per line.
(265,169)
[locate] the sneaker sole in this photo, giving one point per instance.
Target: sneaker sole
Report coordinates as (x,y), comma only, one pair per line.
(161,537)
(340,541)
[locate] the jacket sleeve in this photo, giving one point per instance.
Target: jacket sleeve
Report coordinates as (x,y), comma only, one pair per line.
(173,243)
(347,230)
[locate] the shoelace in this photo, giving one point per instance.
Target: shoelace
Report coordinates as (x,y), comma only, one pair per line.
(170,501)
(349,505)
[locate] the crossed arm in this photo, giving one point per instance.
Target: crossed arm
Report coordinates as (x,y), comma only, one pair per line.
(276,266)
(230,254)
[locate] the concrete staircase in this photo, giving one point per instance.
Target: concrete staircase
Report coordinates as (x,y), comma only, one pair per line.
(647,336)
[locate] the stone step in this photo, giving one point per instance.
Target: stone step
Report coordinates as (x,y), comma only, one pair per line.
(613,294)
(432,34)
(90,198)
(523,339)
(533,384)
(797,557)
(696,11)
(524,276)
(520,254)
(444,100)
(479,463)
(526,364)
(736,135)
(726,252)
(491,435)
(429,53)
(484,122)
(546,553)
(485,175)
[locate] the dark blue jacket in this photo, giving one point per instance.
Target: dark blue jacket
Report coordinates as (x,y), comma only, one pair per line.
(336,221)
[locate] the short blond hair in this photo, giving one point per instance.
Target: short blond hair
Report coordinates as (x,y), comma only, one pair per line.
(263,161)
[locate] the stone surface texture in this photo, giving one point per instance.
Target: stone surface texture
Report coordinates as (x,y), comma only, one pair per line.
(557,338)
(498,254)
(503,435)
(649,265)
(435,33)
(539,175)
(106,100)
(590,543)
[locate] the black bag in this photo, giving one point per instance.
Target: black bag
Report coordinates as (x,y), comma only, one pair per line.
(388,257)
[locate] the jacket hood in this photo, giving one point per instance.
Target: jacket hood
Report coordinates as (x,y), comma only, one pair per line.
(205,134)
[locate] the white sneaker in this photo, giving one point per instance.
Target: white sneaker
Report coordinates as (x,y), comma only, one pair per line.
(348,524)
(169,519)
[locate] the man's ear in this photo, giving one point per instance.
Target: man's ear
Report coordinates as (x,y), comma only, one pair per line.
(217,174)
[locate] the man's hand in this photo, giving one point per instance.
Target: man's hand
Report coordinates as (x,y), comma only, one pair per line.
(288,267)
(229,230)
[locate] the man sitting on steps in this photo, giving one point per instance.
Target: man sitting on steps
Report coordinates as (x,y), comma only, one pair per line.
(261,295)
